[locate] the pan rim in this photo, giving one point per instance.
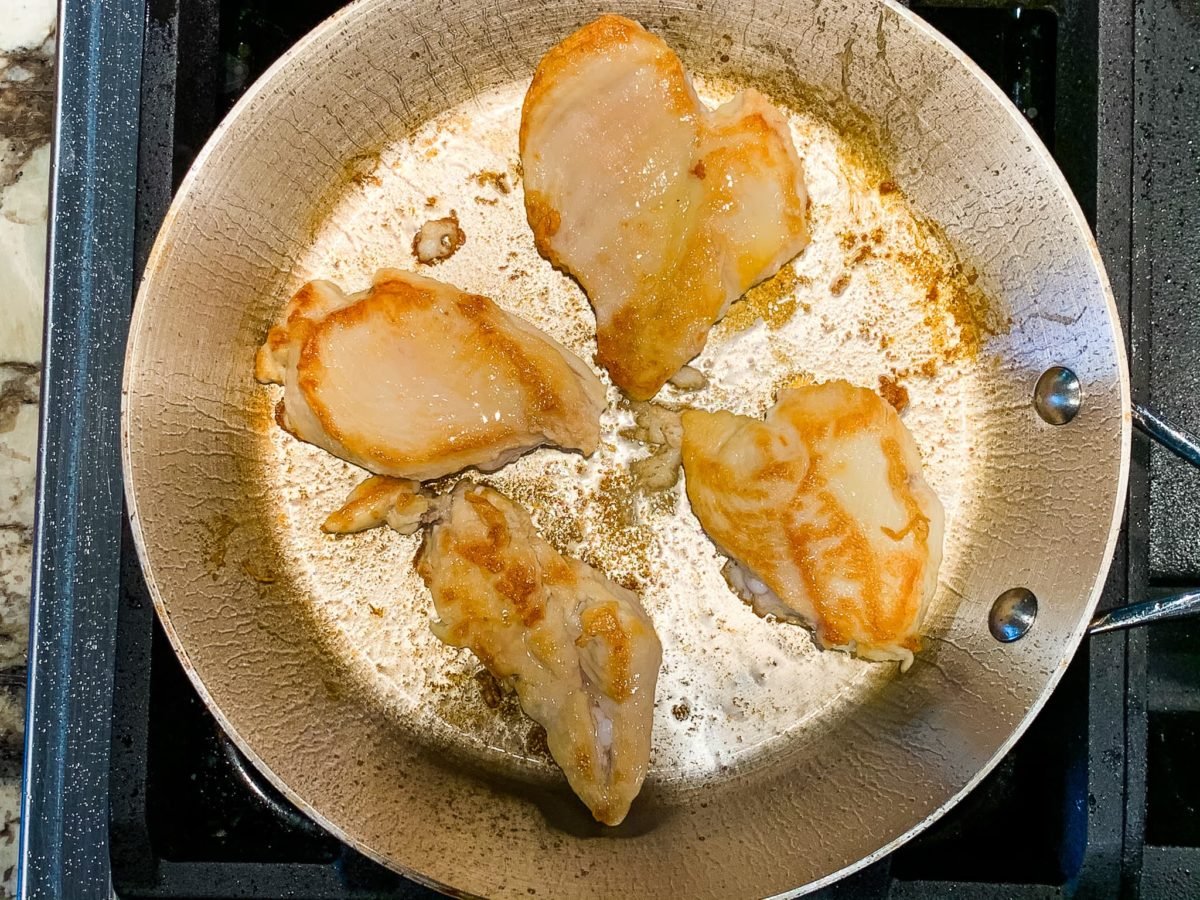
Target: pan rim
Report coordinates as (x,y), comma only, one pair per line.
(1069,648)
(158,250)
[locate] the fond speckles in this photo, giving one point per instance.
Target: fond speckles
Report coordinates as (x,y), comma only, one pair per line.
(727,692)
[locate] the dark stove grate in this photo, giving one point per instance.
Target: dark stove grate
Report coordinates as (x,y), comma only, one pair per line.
(189,817)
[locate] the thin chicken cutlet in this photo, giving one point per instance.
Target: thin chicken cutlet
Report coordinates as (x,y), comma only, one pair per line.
(665,211)
(824,514)
(578,649)
(416,379)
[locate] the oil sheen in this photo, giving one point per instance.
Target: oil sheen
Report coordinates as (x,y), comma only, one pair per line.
(878,294)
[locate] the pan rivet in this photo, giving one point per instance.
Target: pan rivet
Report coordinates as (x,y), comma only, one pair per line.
(1012,614)
(1058,395)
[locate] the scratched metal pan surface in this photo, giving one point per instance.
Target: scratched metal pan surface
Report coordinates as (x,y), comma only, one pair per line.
(949,267)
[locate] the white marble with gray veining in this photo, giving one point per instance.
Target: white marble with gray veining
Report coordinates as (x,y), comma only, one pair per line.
(26,101)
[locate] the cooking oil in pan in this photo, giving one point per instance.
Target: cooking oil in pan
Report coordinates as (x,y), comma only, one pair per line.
(877,298)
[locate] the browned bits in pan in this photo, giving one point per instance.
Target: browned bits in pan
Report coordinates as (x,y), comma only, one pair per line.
(438,239)
(489,689)
(360,169)
(896,394)
(774,301)
(498,181)
(535,742)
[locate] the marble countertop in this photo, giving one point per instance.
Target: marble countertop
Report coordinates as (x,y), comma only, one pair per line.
(27,40)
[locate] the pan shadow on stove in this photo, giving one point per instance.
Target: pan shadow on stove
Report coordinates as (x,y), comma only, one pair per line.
(1037,791)
(232,812)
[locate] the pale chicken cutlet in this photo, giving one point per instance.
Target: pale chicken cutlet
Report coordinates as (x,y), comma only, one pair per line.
(579,650)
(415,379)
(824,514)
(665,211)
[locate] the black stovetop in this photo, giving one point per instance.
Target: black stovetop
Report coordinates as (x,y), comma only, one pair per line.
(1098,798)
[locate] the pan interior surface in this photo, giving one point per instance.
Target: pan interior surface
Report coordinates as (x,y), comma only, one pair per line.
(774,765)
(878,297)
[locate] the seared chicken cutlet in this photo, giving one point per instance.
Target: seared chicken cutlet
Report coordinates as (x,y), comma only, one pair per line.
(824,514)
(381,500)
(416,379)
(664,210)
(578,649)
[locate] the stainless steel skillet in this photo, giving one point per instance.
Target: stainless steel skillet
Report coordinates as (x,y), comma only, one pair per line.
(1040,518)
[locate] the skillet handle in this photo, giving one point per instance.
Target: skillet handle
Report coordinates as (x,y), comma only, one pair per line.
(1182,443)
(1177,606)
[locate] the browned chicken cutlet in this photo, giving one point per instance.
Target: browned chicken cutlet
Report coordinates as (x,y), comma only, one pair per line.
(664,210)
(578,649)
(414,379)
(824,513)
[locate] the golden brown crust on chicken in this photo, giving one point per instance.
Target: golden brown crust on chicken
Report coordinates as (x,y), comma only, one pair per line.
(579,650)
(381,500)
(664,211)
(606,35)
(416,379)
(825,513)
